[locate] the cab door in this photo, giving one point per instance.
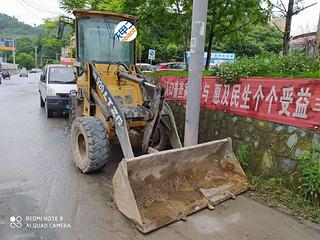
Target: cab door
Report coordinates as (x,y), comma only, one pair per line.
(43,84)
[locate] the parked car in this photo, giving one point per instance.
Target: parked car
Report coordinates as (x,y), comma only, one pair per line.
(170,66)
(23,72)
(56,83)
(33,70)
(145,67)
(5,74)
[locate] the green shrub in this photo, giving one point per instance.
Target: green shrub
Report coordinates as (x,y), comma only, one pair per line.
(309,171)
(243,156)
(271,65)
(275,190)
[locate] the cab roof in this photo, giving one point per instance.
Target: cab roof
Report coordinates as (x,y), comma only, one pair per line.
(89,13)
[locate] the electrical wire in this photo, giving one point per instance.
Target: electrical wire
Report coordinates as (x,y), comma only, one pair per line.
(35,8)
(38,7)
(33,14)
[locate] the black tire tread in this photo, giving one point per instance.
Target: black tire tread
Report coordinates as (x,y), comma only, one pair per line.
(42,103)
(99,146)
(72,109)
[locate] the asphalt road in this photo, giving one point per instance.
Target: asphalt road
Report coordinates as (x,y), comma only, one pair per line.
(39,183)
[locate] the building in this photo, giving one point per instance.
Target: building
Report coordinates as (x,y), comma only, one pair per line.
(304,42)
(279,22)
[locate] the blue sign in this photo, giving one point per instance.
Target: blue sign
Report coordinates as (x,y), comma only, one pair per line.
(152,54)
(217,57)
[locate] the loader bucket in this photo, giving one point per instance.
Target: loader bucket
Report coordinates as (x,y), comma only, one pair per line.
(158,188)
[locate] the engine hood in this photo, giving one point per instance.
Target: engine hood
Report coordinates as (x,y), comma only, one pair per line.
(62,88)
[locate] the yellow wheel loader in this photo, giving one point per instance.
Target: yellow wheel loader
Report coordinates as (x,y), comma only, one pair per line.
(158,181)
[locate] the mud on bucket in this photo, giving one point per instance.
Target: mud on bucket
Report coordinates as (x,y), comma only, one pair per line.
(156,189)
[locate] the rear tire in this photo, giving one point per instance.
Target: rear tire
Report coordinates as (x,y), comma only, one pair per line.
(42,103)
(90,146)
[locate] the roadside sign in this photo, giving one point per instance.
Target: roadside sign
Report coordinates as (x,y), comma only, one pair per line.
(7,44)
(217,57)
(152,54)
(220,57)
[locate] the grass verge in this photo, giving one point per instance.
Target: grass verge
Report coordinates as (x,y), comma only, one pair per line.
(273,193)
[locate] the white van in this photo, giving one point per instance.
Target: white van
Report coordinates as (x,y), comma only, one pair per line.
(55,85)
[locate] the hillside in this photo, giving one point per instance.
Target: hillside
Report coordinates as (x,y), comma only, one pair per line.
(11,26)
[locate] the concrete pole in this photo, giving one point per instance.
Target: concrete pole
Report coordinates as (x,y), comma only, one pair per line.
(14,54)
(198,36)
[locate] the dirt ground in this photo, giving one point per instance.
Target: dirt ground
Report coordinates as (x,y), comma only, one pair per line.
(39,182)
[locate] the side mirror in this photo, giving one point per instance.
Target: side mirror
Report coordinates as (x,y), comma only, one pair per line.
(80,71)
(42,78)
(60,30)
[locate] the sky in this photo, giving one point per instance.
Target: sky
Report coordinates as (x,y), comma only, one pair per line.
(33,12)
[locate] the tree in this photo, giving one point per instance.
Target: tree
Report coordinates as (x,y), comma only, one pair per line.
(69,5)
(25,44)
(256,40)
(25,60)
(161,22)
(228,16)
(294,8)
(48,46)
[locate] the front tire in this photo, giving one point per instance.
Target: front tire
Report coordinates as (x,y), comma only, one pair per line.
(42,103)
(49,112)
(90,146)
(72,109)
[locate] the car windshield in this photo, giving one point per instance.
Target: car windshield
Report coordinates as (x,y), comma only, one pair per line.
(96,42)
(61,75)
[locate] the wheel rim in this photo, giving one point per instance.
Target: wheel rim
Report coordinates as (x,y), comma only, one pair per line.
(82,148)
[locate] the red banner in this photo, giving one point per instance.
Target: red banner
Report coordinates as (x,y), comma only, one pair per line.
(287,101)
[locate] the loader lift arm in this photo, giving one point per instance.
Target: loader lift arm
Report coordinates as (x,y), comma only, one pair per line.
(116,103)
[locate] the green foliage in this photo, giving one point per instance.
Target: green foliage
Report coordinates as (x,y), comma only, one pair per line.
(275,191)
(243,156)
(309,171)
(69,5)
(292,65)
(48,46)
(165,25)
(255,40)
(10,26)
(25,60)
(25,45)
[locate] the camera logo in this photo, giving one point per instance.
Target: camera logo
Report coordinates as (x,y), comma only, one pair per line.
(15,222)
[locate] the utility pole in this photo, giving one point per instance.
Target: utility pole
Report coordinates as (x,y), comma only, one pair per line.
(36,56)
(14,54)
(198,36)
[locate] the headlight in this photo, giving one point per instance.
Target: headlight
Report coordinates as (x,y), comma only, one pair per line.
(51,92)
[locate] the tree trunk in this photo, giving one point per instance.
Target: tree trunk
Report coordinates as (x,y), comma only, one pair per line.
(208,60)
(287,31)
(317,46)
(184,37)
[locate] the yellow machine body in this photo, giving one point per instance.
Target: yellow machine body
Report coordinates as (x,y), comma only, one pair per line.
(157,187)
